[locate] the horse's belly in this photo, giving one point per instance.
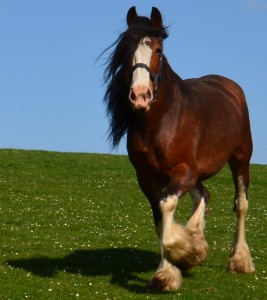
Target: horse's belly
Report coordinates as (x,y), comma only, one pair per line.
(210,166)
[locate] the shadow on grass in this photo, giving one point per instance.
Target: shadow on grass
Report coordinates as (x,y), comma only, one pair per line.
(123,265)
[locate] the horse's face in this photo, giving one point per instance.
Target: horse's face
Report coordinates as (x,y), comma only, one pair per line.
(146,68)
(147,58)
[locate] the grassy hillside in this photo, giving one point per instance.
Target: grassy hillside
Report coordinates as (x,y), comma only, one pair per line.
(76,226)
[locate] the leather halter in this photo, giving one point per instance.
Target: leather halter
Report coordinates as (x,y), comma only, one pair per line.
(155,79)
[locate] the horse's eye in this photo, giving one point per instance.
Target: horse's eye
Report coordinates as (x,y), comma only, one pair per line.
(158,51)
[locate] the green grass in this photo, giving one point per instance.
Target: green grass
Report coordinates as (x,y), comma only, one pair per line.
(76,226)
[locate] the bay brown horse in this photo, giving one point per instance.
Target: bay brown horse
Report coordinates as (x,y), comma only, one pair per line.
(179,133)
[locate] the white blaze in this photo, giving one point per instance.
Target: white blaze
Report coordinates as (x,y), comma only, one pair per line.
(142,55)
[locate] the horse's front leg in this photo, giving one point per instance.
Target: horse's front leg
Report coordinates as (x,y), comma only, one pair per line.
(186,246)
(196,224)
(182,247)
(176,240)
(168,277)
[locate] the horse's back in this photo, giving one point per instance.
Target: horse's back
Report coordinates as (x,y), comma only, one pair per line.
(218,100)
(217,87)
(221,114)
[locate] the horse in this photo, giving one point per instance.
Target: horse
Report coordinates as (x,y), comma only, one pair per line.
(180,132)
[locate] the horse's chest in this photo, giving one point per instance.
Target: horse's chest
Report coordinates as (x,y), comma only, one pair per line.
(147,158)
(147,153)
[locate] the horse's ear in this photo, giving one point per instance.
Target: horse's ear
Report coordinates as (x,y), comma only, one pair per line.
(156,19)
(131,16)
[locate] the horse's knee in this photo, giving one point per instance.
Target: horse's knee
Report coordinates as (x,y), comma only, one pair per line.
(168,204)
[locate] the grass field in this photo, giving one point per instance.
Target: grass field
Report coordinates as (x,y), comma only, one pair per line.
(76,226)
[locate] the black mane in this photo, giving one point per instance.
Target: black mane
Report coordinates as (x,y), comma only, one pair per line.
(116,76)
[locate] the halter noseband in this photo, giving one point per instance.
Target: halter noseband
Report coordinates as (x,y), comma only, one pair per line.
(155,79)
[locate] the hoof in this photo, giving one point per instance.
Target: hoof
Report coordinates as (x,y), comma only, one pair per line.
(241,261)
(239,265)
(168,278)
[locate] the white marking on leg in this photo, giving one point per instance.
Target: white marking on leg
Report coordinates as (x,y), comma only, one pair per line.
(176,240)
(241,211)
(241,260)
(168,207)
(196,225)
(197,220)
(167,278)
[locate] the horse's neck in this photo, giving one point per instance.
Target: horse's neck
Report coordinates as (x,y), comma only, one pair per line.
(170,95)
(172,79)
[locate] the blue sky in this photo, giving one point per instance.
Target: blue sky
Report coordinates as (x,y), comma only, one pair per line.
(51,88)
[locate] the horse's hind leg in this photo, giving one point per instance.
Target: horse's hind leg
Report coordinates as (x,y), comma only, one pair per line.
(241,260)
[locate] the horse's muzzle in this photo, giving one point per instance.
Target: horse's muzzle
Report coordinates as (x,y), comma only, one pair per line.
(141,97)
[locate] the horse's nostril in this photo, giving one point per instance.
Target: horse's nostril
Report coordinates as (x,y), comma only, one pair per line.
(149,94)
(132,95)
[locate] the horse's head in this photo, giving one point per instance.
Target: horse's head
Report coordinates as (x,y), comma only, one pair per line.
(146,65)
(133,70)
